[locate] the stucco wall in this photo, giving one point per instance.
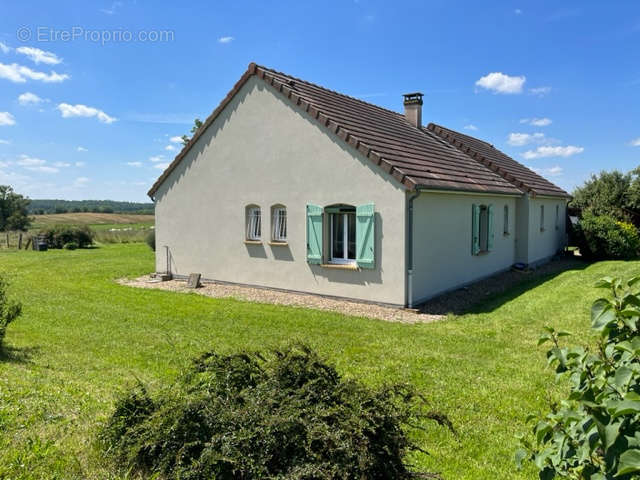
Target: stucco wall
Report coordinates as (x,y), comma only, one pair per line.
(545,243)
(442,242)
(262,151)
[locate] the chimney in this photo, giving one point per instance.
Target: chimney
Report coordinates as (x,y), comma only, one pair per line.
(413,108)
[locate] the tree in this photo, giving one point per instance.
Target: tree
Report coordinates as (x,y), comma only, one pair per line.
(608,194)
(197,123)
(13,210)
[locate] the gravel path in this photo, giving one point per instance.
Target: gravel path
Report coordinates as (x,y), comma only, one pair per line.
(263,295)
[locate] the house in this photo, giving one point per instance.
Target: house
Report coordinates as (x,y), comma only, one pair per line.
(289,185)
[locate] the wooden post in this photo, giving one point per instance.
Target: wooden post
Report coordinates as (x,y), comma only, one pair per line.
(20,241)
(7,239)
(26,247)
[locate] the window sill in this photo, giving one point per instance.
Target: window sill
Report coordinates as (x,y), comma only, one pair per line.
(253,242)
(340,266)
(275,243)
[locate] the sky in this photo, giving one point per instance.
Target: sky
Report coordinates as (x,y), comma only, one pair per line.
(94,95)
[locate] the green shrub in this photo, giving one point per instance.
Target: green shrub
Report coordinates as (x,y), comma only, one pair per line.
(151,240)
(9,309)
(70,246)
(286,415)
(595,433)
(602,237)
(60,235)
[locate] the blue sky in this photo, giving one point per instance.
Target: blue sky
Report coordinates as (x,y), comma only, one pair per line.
(91,93)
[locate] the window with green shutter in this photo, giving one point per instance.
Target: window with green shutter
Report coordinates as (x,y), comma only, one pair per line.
(482,229)
(314,234)
(475,229)
(365,236)
(490,228)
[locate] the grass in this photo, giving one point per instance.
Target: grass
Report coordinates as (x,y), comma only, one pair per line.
(83,337)
(104,220)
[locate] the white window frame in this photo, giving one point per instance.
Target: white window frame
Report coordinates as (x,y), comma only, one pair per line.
(344,260)
(254,224)
(279,224)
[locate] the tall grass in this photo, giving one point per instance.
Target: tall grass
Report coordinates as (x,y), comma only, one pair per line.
(124,235)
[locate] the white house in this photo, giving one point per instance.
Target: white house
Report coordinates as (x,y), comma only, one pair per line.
(292,186)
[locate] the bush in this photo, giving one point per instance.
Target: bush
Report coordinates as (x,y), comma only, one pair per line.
(151,240)
(9,309)
(595,433)
(602,237)
(61,235)
(286,415)
(70,246)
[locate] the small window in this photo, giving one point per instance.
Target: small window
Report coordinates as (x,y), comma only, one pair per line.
(557,217)
(254,223)
(482,229)
(542,218)
(279,223)
(343,235)
(506,220)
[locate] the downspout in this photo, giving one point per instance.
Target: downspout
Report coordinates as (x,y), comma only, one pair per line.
(410,247)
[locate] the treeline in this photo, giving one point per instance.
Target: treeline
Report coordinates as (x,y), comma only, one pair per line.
(41,207)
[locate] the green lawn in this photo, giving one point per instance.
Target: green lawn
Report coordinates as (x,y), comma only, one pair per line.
(83,337)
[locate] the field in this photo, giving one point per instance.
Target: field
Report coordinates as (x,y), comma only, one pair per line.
(83,337)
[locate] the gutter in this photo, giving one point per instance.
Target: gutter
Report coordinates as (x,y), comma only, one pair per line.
(410,245)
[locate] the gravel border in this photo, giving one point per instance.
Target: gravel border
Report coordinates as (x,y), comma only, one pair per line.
(264,295)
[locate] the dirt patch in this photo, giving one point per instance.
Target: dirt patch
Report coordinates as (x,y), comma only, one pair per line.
(263,295)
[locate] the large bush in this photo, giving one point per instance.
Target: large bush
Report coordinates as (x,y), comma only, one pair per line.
(595,433)
(286,415)
(9,309)
(61,235)
(601,237)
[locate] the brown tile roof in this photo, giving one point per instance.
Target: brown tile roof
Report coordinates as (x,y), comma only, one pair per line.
(415,157)
(502,164)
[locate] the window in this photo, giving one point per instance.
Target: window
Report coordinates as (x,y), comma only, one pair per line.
(542,218)
(278,223)
(557,217)
(482,229)
(253,223)
(343,235)
(506,220)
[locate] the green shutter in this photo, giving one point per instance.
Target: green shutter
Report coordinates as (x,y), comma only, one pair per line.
(475,229)
(490,228)
(314,234)
(365,236)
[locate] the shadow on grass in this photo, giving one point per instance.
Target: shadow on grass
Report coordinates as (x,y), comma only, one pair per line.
(489,294)
(11,354)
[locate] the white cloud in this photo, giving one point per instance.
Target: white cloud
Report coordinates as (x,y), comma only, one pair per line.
(80,110)
(80,181)
(39,56)
(470,127)
(134,164)
(635,142)
(80,164)
(7,119)
(43,169)
(19,74)
(170,148)
(555,171)
(81,149)
(4,142)
(498,82)
(61,164)
(225,39)
(537,122)
(517,11)
(157,158)
(110,11)
(27,161)
(4,48)
(540,91)
(161,166)
(28,98)
(520,139)
(175,139)
(546,151)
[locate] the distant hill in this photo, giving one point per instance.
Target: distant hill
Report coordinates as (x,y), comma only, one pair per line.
(96,206)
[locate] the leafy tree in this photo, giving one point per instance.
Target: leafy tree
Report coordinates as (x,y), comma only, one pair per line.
(13,210)
(197,123)
(606,194)
(595,433)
